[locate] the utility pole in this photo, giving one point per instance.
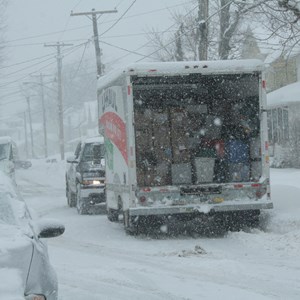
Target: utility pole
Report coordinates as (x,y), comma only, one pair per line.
(44,115)
(41,84)
(26,140)
(203,29)
(30,126)
(58,46)
(94,18)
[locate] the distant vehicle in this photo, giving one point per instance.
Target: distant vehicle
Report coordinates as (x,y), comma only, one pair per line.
(8,156)
(85,175)
(185,140)
(22,164)
(22,246)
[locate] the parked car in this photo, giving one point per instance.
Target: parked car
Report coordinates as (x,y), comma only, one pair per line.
(22,249)
(8,156)
(85,175)
(22,164)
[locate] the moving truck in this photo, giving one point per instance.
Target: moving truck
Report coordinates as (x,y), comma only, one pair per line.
(185,140)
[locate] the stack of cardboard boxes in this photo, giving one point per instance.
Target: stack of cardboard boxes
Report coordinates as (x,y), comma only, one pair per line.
(153,148)
(180,128)
(165,154)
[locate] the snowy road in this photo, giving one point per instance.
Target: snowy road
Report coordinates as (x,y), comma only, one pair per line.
(95,259)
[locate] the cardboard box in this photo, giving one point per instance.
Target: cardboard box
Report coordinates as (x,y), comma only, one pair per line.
(143,139)
(204,169)
(154,176)
(182,173)
(161,137)
(160,119)
(239,172)
(143,119)
(255,148)
(256,170)
(180,147)
(213,127)
(179,119)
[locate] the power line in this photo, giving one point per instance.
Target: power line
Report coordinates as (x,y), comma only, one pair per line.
(80,62)
(120,18)
(67,23)
(26,61)
(29,67)
(117,47)
(94,14)
(86,26)
(22,78)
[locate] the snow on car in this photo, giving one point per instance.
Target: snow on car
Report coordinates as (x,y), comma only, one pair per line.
(23,254)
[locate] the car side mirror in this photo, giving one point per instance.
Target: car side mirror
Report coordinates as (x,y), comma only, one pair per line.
(72,159)
(103,162)
(47,228)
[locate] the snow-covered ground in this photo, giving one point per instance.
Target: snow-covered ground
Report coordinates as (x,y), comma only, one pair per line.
(95,259)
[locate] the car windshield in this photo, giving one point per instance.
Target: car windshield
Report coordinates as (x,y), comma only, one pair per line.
(4,151)
(92,152)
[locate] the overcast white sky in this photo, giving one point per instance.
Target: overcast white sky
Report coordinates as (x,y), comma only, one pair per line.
(32,23)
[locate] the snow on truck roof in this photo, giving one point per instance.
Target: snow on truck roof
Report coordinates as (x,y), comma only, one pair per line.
(185,67)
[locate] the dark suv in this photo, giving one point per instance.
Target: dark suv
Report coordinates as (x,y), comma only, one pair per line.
(85,175)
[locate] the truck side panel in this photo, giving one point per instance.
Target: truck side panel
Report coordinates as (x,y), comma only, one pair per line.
(113,111)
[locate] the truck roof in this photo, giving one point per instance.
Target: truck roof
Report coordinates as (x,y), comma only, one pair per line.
(94,139)
(185,67)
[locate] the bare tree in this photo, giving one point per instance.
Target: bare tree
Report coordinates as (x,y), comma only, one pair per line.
(205,33)
(3,4)
(179,55)
(280,22)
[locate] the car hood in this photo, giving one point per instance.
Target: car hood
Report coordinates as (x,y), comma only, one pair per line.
(15,253)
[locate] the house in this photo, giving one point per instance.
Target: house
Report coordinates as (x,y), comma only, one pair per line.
(282,69)
(284,124)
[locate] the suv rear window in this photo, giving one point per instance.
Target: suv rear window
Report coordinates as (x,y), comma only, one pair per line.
(92,149)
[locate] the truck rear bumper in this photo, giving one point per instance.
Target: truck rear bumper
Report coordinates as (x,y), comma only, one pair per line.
(200,208)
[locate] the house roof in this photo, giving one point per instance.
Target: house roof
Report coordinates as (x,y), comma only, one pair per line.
(287,94)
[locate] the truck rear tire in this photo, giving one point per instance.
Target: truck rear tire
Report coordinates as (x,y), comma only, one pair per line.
(112,215)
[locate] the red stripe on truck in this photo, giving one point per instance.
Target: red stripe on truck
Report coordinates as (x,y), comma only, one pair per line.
(115,130)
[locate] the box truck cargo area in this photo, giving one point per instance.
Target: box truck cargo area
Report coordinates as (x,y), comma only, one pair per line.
(191,130)
(185,139)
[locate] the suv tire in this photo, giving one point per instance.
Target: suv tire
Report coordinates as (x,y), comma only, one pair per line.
(71,197)
(81,208)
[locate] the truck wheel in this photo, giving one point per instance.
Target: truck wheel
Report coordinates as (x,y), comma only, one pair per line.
(130,228)
(67,188)
(71,197)
(81,208)
(112,215)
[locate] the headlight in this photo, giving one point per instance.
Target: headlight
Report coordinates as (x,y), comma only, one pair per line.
(93,182)
(35,297)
